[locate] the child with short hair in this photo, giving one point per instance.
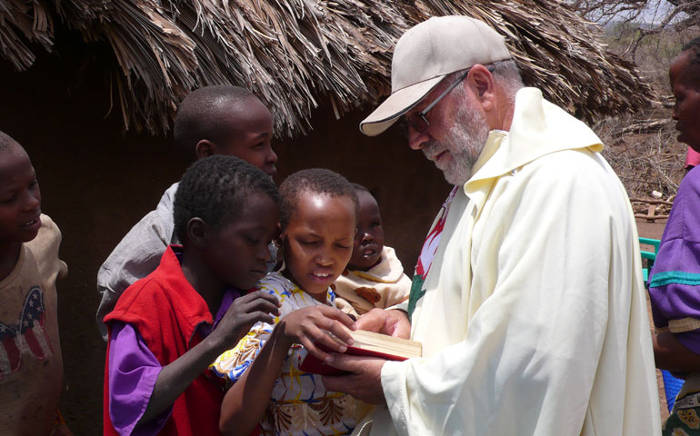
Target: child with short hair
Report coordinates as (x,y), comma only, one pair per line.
(31,365)
(374,277)
(318,227)
(162,332)
(227,120)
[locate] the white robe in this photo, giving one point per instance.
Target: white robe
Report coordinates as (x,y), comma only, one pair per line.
(534,320)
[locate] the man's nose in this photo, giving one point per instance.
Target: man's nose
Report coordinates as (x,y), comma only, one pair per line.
(416,139)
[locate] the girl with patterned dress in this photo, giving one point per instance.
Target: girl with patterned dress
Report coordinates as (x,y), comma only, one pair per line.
(268,390)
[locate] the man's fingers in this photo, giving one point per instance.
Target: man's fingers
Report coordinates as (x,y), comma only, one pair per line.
(398,324)
(338,383)
(346,362)
(363,380)
(373,321)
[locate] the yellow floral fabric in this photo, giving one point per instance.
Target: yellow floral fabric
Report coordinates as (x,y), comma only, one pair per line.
(299,404)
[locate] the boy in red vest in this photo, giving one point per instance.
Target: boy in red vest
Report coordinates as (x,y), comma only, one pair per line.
(169,326)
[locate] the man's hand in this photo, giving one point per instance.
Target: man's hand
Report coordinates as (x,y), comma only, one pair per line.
(390,322)
(364,381)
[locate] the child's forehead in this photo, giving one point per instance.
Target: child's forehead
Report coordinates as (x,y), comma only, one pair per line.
(310,201)
(246,115)
(367,200)
(14,161)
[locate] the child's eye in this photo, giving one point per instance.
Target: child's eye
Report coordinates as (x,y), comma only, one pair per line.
(8,200)
(309,243)
(252,240)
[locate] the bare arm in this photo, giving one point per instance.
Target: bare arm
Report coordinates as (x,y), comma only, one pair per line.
(244,404)
(672,355)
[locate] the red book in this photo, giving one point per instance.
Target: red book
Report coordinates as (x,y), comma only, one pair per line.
(367,343)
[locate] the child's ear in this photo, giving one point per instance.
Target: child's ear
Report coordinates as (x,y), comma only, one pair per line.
(197,232)
(204,148)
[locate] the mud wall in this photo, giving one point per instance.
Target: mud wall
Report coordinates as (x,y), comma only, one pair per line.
(97,181)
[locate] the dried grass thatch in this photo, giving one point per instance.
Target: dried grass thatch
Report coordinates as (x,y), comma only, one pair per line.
(294,53)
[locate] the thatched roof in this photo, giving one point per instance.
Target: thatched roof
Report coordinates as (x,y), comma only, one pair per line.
(295,54)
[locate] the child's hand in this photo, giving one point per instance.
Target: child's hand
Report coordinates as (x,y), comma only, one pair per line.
(311,326)
(243,313)
(390,322)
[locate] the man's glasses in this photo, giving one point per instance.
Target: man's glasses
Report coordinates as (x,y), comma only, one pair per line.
(419,121)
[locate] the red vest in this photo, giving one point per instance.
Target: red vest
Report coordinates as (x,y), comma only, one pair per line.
(166,310)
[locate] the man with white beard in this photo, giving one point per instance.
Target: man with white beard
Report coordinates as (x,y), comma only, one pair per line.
(527,296)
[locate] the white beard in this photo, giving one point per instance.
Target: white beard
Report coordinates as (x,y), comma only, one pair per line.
(464,142)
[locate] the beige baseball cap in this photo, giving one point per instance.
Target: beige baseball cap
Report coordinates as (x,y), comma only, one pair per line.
(425,54)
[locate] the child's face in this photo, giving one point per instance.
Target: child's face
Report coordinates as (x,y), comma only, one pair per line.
(318,241)
(250,137)
(20,199)
(237,252)
(369,240)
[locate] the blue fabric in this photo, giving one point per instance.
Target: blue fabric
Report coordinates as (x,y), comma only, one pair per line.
(672,386)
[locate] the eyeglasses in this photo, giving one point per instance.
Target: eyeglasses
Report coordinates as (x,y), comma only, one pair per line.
(419,121)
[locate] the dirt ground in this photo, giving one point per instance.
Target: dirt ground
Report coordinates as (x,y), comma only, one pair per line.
(654,230)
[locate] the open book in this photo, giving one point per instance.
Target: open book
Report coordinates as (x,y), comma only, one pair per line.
(368,343)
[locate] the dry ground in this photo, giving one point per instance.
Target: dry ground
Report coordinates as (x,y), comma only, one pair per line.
(654,230)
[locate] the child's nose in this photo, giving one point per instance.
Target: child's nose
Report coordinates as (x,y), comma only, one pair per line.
(264,254)
(324,259)
(272,156)
(31,201)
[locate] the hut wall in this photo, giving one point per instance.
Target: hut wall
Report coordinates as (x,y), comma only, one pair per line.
(96,182)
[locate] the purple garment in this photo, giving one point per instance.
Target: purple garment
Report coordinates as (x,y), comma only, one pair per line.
(134,370)
(674,284)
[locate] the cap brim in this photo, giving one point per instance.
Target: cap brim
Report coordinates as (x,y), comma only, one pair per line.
(396,105)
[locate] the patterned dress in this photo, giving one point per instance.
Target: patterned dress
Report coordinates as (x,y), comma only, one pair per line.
(299,404)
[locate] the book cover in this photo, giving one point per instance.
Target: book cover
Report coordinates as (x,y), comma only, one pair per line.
(370,344)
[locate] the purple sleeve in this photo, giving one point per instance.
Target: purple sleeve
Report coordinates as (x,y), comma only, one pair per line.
(674,284)
(677,301)
(133,371)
